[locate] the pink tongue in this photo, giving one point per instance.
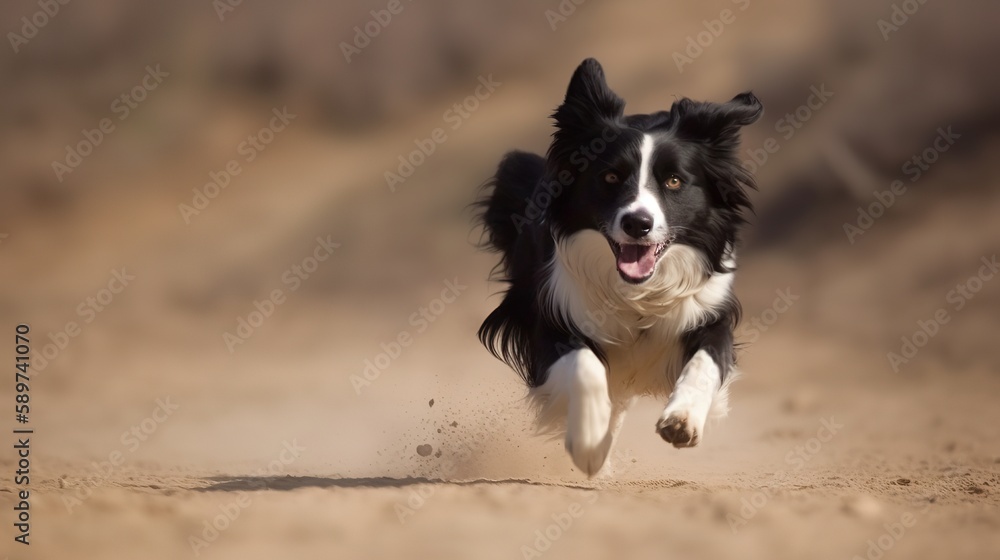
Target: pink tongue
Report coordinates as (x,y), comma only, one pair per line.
(637,261)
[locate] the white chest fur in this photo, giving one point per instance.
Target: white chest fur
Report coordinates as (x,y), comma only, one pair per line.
(638,326)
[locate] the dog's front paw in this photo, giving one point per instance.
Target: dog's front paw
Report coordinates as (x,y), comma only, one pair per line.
(588,437)
(589,454)
(678,429)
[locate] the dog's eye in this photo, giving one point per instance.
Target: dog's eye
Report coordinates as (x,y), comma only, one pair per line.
(673,183)
(611,178)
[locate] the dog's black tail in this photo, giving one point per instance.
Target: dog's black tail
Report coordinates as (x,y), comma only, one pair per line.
(505,210)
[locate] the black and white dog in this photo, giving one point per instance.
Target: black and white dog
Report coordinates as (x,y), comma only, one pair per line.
(618,248)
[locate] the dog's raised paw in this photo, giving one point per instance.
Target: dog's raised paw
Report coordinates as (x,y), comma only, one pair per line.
(677,430)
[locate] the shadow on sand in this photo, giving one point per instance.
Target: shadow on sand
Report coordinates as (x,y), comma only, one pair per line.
(285,483)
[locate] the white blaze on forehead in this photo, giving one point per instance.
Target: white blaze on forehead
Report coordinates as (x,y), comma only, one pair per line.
(646,198)
(645,163)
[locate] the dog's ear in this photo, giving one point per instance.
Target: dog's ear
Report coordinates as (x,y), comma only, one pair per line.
(743,109)
(716,123)
(716,127)
(588,98)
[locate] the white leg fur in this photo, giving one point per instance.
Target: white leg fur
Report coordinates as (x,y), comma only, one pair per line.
(581,379)
(618,410)
(683,420)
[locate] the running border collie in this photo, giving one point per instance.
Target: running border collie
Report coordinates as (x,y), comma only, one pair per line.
(618,249)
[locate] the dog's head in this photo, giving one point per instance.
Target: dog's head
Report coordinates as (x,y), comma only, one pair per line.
(647,182)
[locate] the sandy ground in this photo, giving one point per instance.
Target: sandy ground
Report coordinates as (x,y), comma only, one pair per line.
(912,470)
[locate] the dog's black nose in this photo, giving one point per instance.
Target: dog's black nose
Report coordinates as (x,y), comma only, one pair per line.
(637,224)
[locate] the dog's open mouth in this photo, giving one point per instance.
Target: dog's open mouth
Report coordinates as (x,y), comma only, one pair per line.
(636,262)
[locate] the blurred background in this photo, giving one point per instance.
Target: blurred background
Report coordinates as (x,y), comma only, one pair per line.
(259,212)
